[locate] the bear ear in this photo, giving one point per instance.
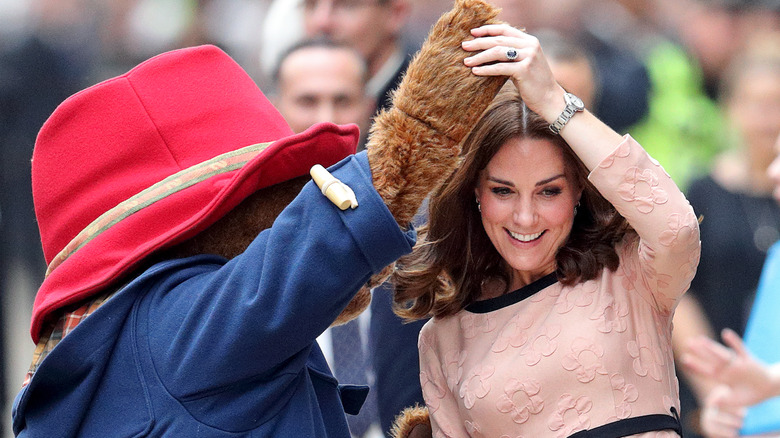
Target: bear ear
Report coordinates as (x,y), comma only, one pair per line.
(413,422)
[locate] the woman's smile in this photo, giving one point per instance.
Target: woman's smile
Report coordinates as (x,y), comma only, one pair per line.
(525,238)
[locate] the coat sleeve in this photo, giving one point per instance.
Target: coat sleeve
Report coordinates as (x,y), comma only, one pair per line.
(258,315)
(662,262)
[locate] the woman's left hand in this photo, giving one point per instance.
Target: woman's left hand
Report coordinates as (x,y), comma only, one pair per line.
(529,70)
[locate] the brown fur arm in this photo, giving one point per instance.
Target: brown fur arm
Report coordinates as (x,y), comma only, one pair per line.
(412,423)
(415,144)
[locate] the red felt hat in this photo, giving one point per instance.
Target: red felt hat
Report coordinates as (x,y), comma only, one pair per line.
(150,158)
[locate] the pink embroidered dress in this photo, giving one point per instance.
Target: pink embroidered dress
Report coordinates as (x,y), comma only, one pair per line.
(550,360)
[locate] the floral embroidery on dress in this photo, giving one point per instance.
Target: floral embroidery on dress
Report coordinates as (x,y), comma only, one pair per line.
(622,151)
(531,402)
(473,324)
(473,429)
(688,270)
(452,368)
(543,344)
(476,385)
(628,270)
(514,333)
(580,295)
(433,393)
(641,187)
(585,360)
(682,231)
(611,315)
(648,357)
(550,292)
(425,342)
(627,394)
(445,430)
(581,406)
(653,280)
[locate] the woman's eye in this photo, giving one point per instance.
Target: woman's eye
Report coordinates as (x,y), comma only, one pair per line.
(552,191)
(501,190)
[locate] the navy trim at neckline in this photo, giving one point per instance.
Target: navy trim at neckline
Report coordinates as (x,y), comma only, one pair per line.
(491,304)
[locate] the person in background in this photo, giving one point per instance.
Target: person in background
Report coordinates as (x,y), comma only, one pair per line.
(683,127)
(572,66)
(742,381)
(623,80)
(736,378)
(373,28)
(740,217)
(321,81)
(552,263)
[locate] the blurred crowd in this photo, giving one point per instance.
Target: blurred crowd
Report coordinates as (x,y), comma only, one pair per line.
(696,82)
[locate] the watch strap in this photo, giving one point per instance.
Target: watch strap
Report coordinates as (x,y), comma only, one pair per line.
(565,115)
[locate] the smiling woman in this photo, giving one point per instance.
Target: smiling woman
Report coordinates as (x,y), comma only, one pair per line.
(521,184)
(552,262)
(527,215)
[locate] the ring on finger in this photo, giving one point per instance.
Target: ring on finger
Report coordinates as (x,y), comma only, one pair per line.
(511,53)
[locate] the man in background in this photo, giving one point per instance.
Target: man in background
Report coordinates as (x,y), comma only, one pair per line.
(321,81)
(373,28)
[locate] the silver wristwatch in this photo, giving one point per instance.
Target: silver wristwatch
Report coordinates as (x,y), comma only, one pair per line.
(573,105)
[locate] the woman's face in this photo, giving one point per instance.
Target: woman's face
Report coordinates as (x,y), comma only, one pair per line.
(527,200)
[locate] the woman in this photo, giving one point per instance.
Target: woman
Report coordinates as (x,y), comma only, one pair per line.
(551,290)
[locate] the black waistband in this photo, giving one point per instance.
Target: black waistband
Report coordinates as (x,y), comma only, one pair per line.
(633,426)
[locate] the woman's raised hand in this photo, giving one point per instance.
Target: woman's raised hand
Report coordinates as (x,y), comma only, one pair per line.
(502,50)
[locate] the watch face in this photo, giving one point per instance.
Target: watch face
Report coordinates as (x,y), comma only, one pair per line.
(574,100)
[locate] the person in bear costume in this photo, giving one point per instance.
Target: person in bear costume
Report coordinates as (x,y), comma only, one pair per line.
(192,263)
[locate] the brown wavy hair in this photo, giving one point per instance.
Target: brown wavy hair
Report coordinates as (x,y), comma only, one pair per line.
(454,256)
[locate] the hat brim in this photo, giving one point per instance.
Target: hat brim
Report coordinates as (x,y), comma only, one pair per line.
(104,254)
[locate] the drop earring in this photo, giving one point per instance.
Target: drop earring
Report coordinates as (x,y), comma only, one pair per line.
(575,208)
(479,206)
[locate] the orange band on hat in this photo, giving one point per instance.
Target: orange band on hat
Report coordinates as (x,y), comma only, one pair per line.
(175,183)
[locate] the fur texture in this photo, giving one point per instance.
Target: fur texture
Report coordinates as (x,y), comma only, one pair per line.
(414,145)
(413,422)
